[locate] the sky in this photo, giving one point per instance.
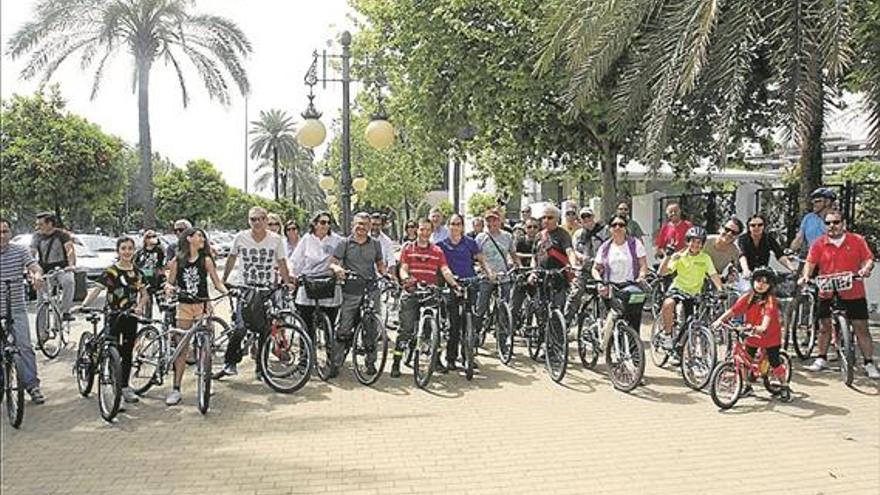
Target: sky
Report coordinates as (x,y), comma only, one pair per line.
(284,33)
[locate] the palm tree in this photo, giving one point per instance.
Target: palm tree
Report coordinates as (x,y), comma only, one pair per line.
(147,30)
(699,57)
(273,138)
(301,174)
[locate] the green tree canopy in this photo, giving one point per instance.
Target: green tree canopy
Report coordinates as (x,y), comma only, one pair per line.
(196,192)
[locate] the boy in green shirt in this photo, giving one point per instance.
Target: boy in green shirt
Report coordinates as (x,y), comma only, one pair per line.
(691,267)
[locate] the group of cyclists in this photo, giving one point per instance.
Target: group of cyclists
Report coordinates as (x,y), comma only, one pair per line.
(585,256)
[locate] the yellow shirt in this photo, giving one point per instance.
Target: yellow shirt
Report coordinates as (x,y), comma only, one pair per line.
(691,271)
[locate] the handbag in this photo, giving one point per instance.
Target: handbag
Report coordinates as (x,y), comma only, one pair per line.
(320,287)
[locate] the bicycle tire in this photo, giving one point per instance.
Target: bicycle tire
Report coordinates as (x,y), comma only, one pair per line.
(145,360)
(725,378)
(13,390)
(204,355)
(288,373)
(109,383)
(48,322)
(625,357)
(659,355)
(804,326)
(556,346)
(469,338)
(588,339)
(845,350)
(83,367)
(323,348)
(698,356)
(362,346)
(771,385)
(426,353)
(504,332)
(534,336)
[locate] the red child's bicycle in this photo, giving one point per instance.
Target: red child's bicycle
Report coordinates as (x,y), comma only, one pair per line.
(730,378)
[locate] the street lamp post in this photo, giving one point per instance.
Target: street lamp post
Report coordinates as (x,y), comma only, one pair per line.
(312,132)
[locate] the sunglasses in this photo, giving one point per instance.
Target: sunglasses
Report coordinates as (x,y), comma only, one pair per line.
(152,236)
(179,229)
(586,216)
(549,217)
(257,219)
(570,214)
(456,224)
(618,225)
(323,222)
(274,224)
(531,227)
(731,231)
(291,228)
(756,225)
(832,222)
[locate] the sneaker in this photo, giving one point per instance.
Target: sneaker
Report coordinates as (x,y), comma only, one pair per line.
(748,391)
(129,395)
(228,370)
(666,341)
(333,372)
(819,364)
(67,317)
(395,368)
(173,398)
(37,396)
(871,371)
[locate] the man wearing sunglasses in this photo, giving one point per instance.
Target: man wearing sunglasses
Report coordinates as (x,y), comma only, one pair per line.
(840,251)
(813,224)
(569,218)
(180,226)
(722,248)
(554,250)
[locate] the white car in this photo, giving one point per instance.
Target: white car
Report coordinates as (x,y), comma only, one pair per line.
(103,247)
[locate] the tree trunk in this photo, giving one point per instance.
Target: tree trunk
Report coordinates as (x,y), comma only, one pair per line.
(609,180)
(811,154)
(146,148)
(275,169)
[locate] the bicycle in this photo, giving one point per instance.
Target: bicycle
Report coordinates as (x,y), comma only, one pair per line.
(623,349)
(545,324)
(97,354)
(728,378)
(500,317)
(469,337)
(53,332)
(842,335)
(321,324)
(155,351)
(423,348)
(692,338)
(362,344)
(802,326)
(10,381)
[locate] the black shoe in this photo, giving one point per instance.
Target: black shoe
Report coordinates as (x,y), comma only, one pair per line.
(395,368)
(67,317)
(333,372)
(440,368)
(371,369)
(451,366)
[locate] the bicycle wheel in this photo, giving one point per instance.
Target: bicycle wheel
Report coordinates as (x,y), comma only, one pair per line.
(83,367)
(48,323)
(845,350)
(286,358)
(625,357)
(698,356)
(504,332)
(323,344)
(427,351)
(658,294)
(468,339)
(804,327)
(145,360)
(588,339)
(13,391)
(726,385)
(369,350)
(556,346)
(534,335)
(109,383)
(659,356)
(203,369)
(771,383)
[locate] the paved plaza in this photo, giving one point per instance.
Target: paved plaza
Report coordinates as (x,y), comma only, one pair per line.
(510,430)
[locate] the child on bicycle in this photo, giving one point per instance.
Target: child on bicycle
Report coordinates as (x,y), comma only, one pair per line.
(760,307)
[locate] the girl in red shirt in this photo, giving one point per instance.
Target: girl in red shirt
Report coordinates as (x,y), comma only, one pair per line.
(761,311)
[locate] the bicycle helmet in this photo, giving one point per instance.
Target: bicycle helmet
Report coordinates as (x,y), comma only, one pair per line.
(695,232)
(823,193)
(766,273)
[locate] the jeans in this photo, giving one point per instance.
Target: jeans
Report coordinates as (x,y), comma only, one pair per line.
(27,364)
(68,286)
(349,316)
(124,329)
(408,316)
(485,294)
(455,307)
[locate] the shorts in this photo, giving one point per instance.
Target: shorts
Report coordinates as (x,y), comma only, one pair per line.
(856,309)
(191,311)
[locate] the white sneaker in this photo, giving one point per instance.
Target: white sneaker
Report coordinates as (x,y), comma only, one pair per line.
(129,395)
(666,341)
(819,364)
(173,398)
(872,372)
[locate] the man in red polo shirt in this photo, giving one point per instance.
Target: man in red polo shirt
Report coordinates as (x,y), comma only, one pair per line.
(839,251)
(672,232)
(420,261)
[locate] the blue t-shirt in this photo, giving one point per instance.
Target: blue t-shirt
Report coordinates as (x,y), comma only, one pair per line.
(813,227)
(460,257)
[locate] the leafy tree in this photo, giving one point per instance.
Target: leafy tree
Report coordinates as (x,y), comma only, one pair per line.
(149,31)
(866,72)
(866,219)
(196,192)
(478,203)
(300,173)
(272,138)
(55,160)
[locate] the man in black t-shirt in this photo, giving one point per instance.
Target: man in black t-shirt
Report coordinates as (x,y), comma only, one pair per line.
(54,250)
(553,250)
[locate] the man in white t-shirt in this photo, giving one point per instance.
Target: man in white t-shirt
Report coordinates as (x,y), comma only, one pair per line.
(263,260)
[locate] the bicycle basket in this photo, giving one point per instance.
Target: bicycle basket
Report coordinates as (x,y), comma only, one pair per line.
(628,297)
(320,287)
(840,281)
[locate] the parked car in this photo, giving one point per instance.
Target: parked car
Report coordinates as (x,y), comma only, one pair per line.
(221,242)
(103,247)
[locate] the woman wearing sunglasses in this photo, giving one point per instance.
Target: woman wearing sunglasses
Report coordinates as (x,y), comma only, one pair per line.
(756,246)
(150,259)
(621,259)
